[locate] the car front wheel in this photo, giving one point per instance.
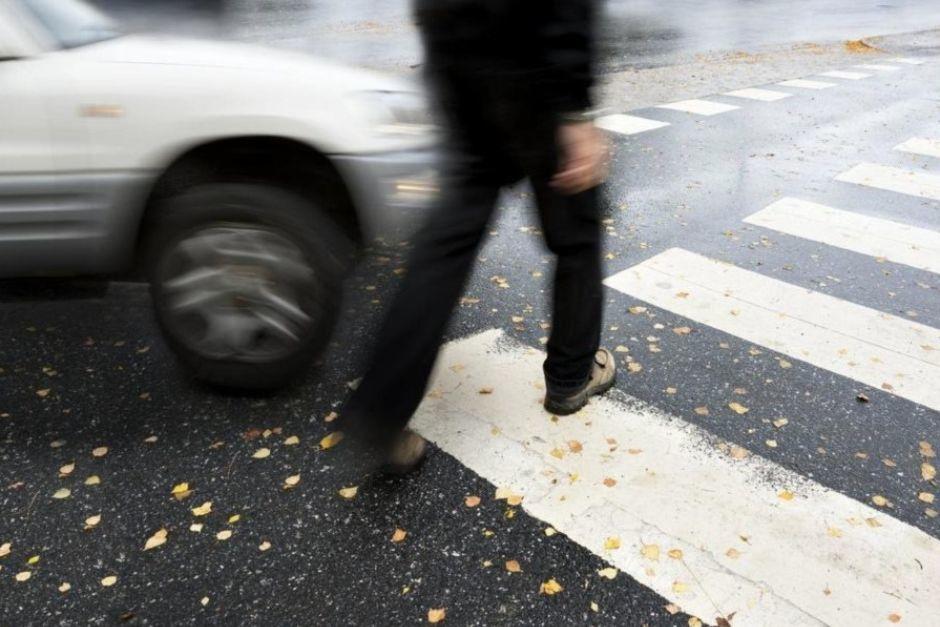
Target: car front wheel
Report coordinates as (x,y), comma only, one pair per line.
(246,282)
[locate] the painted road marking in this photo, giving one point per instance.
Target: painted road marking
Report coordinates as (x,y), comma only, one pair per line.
(765,95)
(921,146)
(920,184)
(884,239)
(851,76)
(908,61)
(745,548)
(699,107)
(879,68)
(870,346)
(628,124)
(805,84)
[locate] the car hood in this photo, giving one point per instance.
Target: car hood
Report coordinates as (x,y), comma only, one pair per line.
(165,50)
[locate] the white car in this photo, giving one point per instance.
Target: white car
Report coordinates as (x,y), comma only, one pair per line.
(239,178)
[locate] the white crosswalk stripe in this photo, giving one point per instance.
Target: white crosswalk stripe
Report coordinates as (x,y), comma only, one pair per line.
(872,347)
(921,146)
(851,76)
(908,61)
(764,95)
(879,68)
(628,124)
(802,83)
(699,107)
(715,533)
(913,183)
(884,239)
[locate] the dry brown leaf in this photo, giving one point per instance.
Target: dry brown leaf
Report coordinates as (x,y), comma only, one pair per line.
(330,440)
(575,447)
(550,587)
(733,553)
(399,535)
(513,566)
(926,449)
(471,501)
(609,482)
(890,463)
(682,330)
(436,615)
(203,510)
(894,618)
(485,391)
(701,411)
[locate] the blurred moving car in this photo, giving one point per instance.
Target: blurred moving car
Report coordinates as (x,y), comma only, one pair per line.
(241,179)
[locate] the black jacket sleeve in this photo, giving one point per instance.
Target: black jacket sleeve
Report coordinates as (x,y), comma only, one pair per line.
(566,33)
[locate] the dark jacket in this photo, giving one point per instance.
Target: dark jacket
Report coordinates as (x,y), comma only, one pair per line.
(545,47)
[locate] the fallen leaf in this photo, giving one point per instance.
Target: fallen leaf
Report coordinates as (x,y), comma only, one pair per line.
(650,552)
(634,367)
(43,393)
(399,535)
(672,608)
(862,398)
(738,452)
(926,449)
(204,601)
(781,422)
(771,443)
(574,446)
(62,493)
(225,534)
(32,561)
(557,453)
(879,500)
(894,618)
(330,440)
(930,512)
(873,522)
(927,471)
(612,543)
(151,439)
(608,573)
(291,482)
(679,587)
(264,546)
(436,615)
(234,518)
(23,576)
(292,441)
(65,586)
(550,531)
(637,309)
(5,549)
(196,527)
(157,539)
(738,408)
(57,443)
(203,510)
(514,500)
(92,521)
(785,495)
(784,363)
(926,497)
(890,463)
(471,501)
(701,411)
(694,622)
(513,566)
(261,453)
(330,417)
(66,470)
(675,554)
(349,493)
(733,553)
(682,330)
(550,587)
(181,491)
(109,581)
(485,391)
(834,532)
(610,482)
(93,480)
(101,451)
(595,607)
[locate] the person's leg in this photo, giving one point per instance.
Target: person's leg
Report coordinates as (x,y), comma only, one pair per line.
(407,345)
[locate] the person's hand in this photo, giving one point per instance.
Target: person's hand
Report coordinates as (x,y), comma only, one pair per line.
(583,160)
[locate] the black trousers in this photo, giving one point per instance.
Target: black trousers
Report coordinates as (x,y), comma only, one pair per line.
(495,137)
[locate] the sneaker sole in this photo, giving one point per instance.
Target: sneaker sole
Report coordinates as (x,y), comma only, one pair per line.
(575,405)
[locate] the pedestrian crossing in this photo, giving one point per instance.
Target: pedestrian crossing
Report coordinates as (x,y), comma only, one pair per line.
(890,178)
(764,95)
(802,83)
(921,146)
(717,533)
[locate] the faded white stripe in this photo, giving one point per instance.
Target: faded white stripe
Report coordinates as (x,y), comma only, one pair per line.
(879,68)
(892,241)
(699,107)
(628,124)
(851,76)
(764,95)
(920,184)
(908,60)
(806,84)
(875,348)
(676,490)
(921,146)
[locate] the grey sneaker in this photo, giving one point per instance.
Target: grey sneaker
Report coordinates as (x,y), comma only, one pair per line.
(406,453)
(602,378)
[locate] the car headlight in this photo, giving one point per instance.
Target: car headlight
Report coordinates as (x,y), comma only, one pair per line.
(395,113)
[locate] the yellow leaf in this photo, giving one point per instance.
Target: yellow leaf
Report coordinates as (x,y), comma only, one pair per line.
(926,497)
(550,531)
(675,554)
(513,566)
(557,453)
(349,493)
(637,309)
(180,488)
(291,482)
(771,443)
(399,535)
(873,522)
(234,518)
(701,411)
(292,441)
(612,543)
(93,480)
(550,587)
(679,587)
(5,549)
(330,440)
(67,469)
(157,539)
(595,607)
(436,615)
(101,451)
(92,521)
(608,573)
(738,408)
(471,501)
(264,546)
(694,622)
(203,510)
(503,493)
(225,534)
(33,560)
(834,532)
(514,500)
(879,500)
(786,495)
(927,471)
(62,493)
(261,453)
(109,581)
(23,576)
(650,552)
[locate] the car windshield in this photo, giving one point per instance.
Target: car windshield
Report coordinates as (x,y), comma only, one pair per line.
(72,23)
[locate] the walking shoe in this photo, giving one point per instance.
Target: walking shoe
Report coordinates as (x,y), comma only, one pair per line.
(408,450)
(602,378)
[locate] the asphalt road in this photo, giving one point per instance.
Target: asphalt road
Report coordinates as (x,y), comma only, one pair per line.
(85,380)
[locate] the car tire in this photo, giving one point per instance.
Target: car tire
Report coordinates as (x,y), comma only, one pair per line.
(246,282)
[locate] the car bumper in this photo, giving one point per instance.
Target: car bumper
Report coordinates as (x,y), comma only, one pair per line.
(390,190)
